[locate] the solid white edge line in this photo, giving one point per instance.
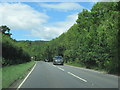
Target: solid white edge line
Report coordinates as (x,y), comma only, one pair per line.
(77,77)
(26,77)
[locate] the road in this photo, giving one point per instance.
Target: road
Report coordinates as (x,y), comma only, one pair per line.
(47,75)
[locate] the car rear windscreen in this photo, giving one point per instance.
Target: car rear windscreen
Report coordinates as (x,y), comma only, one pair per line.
(58,57)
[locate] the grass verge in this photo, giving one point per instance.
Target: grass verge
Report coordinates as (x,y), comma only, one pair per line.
(80,65)
(75,64)
(14,72)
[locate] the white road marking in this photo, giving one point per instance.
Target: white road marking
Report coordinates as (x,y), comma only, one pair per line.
(54,66)
(82,68)
(26,77)
(91,70)
(61,69)
(77,76)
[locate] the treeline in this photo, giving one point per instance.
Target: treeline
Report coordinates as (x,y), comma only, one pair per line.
(17,52)
(12,53)
(34,48)
(92,41)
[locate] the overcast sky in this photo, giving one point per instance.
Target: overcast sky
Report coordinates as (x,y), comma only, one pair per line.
(40,21)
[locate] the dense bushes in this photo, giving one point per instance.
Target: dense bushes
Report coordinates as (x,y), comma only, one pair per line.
(12,53)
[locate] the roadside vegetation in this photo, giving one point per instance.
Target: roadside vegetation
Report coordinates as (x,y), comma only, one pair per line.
(14,72)
(11,52)
(16,58)
(83,66)
(93,41)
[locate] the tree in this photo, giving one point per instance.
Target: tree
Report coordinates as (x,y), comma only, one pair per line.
(5,29)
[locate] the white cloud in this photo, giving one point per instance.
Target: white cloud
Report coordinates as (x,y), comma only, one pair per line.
(70,20)
(21,16)
(55,29)
(63,6)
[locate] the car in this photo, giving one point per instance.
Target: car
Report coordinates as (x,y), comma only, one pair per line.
(46,60)
(58,60)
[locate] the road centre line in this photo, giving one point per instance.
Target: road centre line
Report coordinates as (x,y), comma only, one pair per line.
(61,69)
(77,76)
(81,68)
(54,66)
(26,77)
(72,74)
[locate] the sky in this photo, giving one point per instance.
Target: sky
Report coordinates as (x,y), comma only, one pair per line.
(40,20)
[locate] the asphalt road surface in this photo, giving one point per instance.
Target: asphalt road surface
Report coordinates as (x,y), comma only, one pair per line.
(47,75)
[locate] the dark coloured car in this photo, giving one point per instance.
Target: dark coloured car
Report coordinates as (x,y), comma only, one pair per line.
(58,60)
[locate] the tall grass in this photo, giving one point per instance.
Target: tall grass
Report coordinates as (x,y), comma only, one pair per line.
(14,72)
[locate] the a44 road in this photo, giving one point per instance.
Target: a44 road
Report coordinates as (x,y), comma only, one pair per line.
(47,75)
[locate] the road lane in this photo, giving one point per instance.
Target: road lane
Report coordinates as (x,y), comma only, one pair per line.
(97,79)
(47,75)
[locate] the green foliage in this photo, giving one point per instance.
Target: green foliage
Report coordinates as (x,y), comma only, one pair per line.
(5,29)
(12,53)
(92,41)
(11,73)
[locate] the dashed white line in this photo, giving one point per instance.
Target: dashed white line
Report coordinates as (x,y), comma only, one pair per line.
(54,66)
(26,77)
(82,68)
(72,74)
(77,76)
(61,69)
